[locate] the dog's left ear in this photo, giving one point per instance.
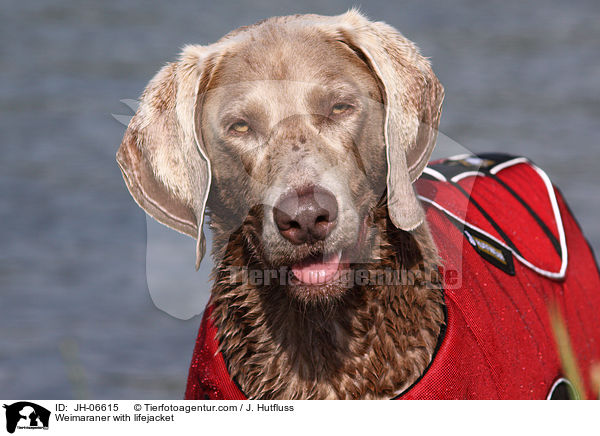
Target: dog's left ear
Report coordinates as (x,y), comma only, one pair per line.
(413,103)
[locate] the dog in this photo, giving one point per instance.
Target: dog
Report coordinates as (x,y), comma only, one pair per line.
(303,139)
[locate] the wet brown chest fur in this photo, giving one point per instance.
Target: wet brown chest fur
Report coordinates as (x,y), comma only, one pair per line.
(371,343)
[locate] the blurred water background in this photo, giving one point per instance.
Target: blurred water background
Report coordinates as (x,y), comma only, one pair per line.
(76,317)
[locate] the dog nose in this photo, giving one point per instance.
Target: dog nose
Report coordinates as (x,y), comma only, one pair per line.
(306,215)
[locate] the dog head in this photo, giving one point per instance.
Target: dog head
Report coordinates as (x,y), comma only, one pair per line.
(296,126)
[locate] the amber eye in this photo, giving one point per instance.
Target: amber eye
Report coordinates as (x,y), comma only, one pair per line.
(240,127)
(340,108)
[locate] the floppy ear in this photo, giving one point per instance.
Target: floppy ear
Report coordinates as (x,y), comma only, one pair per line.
(413,102)
(163,160)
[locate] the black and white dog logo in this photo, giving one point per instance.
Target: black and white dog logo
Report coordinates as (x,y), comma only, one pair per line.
(26,415)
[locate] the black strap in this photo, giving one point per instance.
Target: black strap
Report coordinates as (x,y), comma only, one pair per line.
(487,216)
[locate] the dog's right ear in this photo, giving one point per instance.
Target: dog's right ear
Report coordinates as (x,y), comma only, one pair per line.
(162,158)
(413,101)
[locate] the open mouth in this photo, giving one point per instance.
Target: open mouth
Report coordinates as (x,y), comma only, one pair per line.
(319,270)
(327,268)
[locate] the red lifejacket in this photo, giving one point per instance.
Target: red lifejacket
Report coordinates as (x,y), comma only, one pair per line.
(510,248)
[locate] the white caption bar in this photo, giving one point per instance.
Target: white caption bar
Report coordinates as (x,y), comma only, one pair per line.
(262,418)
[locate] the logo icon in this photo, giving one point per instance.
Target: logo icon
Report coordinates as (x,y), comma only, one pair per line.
(26,415)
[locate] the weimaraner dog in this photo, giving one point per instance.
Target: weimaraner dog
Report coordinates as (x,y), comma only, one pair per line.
(301,138)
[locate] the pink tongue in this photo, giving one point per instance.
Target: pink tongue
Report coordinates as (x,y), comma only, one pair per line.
(315,272)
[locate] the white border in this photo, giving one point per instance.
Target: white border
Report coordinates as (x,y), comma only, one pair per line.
(435,174)
(464,175)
